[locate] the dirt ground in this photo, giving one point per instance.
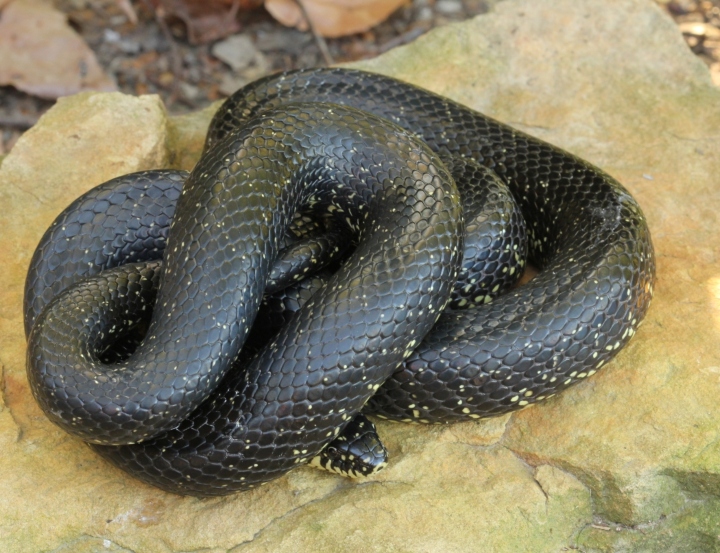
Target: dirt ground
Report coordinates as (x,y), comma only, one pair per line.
(146,57)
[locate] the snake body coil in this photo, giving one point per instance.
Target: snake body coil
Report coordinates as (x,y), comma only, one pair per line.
(364,341)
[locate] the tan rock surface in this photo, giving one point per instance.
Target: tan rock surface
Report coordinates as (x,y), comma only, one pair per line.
(187,136)
(626,461)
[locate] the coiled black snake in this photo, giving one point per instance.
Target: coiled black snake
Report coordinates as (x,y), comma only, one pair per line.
(174,414)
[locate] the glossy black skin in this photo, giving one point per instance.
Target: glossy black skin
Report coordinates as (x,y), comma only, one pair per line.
(587,234)
(126,220)
(280,411)
(495,245)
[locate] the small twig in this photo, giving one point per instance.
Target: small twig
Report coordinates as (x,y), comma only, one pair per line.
(407,36)
(601,526)
(128,10)
(234,9)
(175,54)
(324,50)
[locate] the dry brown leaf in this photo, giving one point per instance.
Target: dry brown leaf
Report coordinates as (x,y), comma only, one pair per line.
(205,20)
(42,55)
(333,18)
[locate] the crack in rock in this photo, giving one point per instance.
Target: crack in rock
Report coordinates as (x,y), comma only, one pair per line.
(274,521)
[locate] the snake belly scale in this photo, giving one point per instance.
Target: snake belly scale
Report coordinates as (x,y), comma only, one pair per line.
(375,337)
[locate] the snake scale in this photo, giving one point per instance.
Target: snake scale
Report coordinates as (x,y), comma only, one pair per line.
(184,408)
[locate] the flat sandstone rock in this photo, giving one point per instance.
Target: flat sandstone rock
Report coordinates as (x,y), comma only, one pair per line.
(628,460)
